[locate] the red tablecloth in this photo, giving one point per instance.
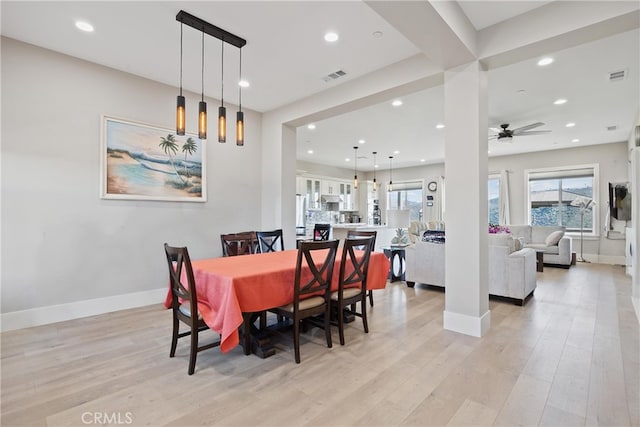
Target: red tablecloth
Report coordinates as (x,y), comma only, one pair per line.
(229,286)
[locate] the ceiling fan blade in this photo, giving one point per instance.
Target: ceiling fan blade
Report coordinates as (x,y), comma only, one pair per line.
(534,132)
(495,130)
(527,127)
(492,137)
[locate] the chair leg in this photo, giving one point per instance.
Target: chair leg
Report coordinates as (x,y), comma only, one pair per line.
(174,338)
(365,324)
(296,338)
(341,323)
(327,324)
(371,298)
(263,320)
(194,350)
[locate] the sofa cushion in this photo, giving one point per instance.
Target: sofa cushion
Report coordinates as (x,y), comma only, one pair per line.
(553,238)
(523,231)
(433,236)
(518,243)
(542,247)
(539,233)
(502,239)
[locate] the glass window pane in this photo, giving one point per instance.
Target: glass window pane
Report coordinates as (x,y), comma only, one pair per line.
(494,200)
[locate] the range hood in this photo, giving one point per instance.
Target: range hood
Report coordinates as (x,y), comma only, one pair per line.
(330,198)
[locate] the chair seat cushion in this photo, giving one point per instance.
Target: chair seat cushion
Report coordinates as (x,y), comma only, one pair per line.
(186,310)
(305,304)
(347,293)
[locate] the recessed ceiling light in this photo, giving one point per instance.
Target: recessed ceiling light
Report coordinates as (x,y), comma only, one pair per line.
(440,126)
(488,151)
(84,26)
(423,160)
(575,140)
(545,61)
(243,83)
(331,37)
(377,34)
(309,151)
(347,159)
(396,152)
(521,91)
(570,124)
(559,101)
(361,141)
(396,103)
(311,126)
(376,166)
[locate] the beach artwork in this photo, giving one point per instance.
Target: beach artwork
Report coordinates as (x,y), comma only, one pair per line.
(142,162)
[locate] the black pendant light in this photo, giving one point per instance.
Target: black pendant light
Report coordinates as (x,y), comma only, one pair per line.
(180,108)
(222,112)
(240,114)
(202,106)
(390,188)
(355,168)
(225,37)
(375,184)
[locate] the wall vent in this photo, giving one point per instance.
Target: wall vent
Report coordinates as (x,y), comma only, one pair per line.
(616,76)
(335,75)
(612,128)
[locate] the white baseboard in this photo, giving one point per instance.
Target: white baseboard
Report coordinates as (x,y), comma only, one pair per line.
(75,310)
(468,325)
(605,259)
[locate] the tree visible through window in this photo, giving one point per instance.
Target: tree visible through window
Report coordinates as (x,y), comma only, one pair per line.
(494,200)
(551,194)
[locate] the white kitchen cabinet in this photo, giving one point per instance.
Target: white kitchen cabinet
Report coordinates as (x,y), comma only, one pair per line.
(349,196)
(330,187)
(311,190)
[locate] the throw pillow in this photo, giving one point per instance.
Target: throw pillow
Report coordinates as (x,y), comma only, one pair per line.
(553,238)
(518,243)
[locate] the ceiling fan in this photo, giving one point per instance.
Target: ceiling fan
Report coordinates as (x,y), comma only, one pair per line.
(506,135)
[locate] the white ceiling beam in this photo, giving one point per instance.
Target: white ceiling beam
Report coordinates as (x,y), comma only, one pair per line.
(439,29)
(547,29)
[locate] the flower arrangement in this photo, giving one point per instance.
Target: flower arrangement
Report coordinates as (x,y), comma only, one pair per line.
(494,229)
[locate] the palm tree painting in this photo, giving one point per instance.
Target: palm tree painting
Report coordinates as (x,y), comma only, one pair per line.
(142,162)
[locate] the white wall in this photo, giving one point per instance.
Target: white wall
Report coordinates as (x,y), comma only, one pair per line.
(61,243)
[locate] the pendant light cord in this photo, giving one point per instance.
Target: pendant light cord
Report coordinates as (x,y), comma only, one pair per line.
(203,66)
(240,87)
(181,27)
(222,77)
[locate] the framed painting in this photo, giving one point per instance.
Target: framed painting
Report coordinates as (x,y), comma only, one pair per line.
(144,162)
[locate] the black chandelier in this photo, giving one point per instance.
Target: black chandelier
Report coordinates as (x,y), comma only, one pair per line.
(225,37)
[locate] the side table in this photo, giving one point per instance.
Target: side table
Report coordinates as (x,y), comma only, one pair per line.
(397,266)
(539,261)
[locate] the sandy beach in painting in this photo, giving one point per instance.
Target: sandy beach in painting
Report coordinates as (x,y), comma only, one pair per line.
(127,176)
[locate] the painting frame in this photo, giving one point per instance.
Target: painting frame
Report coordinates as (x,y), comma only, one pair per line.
(139,161)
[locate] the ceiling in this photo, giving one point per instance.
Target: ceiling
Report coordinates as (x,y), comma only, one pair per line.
(286,58)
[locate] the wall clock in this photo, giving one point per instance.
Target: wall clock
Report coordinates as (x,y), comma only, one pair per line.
(432,186)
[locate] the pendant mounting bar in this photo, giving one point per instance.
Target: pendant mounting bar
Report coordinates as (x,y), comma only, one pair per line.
(212,30)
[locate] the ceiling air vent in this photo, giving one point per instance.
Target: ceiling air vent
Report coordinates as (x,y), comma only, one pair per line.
(616,76)
(612,128)
(333,76)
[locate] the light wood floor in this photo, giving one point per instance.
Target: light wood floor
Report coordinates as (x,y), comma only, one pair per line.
(569,357)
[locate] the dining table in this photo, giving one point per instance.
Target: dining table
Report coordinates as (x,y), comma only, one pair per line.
(232,291)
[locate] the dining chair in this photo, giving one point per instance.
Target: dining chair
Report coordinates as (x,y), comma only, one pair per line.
(312,289)
(358,233)
(352,285)
(321,231)
(184,303)
(238,243)
(269,241)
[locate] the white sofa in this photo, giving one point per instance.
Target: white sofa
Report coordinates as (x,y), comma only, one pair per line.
(534,237)
(512,274)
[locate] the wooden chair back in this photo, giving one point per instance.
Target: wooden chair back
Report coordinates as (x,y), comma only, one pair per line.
(354,265)
(235,244)
(177,259)
(321,269)
(357,233)
(270,241)
(321,231)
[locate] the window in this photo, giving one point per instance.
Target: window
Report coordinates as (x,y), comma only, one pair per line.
(407,195)
(494,199)
(554,193)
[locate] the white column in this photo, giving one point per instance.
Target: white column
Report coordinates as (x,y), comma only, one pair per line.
(466,296)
